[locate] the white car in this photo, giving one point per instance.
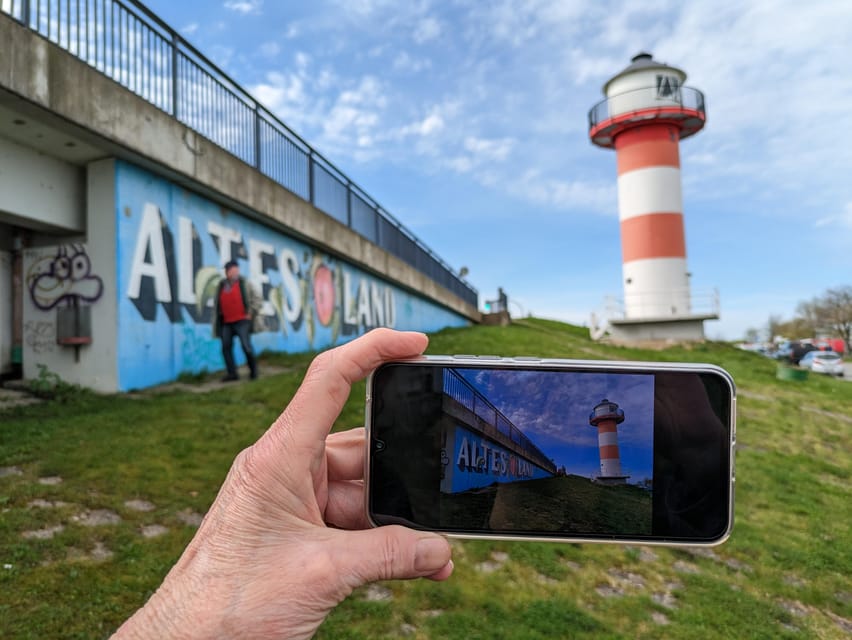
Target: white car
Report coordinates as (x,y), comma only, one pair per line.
(823,362)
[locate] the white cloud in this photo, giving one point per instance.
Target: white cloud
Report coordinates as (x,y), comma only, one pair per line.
(270,49)
(189,29)
(244,6)
(408,63)
(426,29)
(842,219)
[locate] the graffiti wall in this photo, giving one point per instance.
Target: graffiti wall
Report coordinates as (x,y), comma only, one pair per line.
(470,461)
(172,245)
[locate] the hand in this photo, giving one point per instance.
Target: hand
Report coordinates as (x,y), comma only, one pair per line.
(265,563)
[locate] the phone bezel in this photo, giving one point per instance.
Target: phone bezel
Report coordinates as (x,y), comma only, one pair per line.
(497,362)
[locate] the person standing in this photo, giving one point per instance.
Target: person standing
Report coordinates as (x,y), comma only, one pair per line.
(236,313)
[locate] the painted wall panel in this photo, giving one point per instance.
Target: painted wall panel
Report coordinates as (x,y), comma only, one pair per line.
(473,461)
(171,246)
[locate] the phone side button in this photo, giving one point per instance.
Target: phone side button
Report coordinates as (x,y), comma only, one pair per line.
(488,358)
(526,358)
(465,356)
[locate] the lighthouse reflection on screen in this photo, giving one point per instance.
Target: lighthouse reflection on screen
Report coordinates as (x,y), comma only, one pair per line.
(551,451)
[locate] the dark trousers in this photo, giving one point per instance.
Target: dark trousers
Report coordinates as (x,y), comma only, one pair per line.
(241,330)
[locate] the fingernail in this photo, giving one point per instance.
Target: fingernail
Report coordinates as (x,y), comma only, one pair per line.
(431,554)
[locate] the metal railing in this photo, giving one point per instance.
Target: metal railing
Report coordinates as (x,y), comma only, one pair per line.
(124,40)
(687,98)
(460,390)
(672,304)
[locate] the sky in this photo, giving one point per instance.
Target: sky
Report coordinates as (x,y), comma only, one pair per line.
(468,121)
(552,409)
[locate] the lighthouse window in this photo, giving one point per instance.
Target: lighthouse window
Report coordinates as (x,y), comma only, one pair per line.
(668,88)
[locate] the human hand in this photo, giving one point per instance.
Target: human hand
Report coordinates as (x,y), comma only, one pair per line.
(287,539)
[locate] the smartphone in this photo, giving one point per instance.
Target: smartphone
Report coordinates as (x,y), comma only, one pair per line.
(562,450)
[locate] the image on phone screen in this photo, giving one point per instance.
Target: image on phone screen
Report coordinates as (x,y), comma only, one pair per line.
(551,452)
(547,450)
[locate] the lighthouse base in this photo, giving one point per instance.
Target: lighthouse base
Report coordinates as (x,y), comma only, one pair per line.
(688,329)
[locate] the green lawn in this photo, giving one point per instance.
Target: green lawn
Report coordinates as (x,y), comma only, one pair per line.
(785,573)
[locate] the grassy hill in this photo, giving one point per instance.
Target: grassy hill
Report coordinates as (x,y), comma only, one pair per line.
(560,504)
(785,573)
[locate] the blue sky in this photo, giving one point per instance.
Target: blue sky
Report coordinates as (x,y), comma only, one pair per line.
(552,408)
(467,120)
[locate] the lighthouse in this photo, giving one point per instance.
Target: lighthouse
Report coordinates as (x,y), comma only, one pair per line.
(647,111)
(606,416)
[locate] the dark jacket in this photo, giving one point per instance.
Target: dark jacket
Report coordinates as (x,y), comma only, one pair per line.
(251,301)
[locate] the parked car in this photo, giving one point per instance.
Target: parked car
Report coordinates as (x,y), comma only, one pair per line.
(823,362)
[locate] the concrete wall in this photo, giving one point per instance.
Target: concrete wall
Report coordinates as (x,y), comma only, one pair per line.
(40,191)
(171,245)
(56,86)
(69,273)
(5,307)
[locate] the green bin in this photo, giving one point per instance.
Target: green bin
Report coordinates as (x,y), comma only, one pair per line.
(792,374)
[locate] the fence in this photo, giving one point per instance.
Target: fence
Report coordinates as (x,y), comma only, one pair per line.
(127,42)
(686,98)
(460,390)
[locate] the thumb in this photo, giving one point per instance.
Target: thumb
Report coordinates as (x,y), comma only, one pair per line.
(393,552)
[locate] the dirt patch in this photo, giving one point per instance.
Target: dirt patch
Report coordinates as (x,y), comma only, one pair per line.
(50,481)
(685,567)
(5,472)
(660,618)
(647,555)
(608,591)
(498,559)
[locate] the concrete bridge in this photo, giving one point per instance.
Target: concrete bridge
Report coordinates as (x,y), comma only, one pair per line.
(132,169)
(481,445)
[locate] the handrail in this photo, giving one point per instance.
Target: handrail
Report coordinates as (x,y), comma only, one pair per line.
(684,97)
(129,43)
(495,418)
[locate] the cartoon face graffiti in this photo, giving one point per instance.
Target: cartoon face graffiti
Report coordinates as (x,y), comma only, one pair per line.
(65,276)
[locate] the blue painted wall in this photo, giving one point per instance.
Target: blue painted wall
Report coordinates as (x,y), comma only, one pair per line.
(171,245)
(478,462)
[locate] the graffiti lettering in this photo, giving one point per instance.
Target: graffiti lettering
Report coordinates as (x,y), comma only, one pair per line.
(40,336)
(64,277)
(288,285)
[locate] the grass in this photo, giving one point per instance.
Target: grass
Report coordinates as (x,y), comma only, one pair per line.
(783,574)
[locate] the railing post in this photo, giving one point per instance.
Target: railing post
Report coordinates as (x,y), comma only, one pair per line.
(175,76)
(25,12)
(256,137)
(348,203)
(311,194)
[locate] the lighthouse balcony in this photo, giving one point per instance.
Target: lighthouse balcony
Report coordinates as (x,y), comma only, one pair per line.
(680,106)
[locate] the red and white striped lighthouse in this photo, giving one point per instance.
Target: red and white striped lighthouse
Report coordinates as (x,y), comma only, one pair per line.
(606,416)
(647,111)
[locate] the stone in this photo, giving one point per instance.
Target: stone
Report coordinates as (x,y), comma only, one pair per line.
(499,556)
(794,581)
(96,518)
(794,608)
(406,629)
(627,578)
(377,593)
(43,534)
(845,624)
(489,566)
(575,566)
(5,472)
(189,517)
(659,618)
(433,613)
(100,552)
(139,505)
(647,555)
(543,579)
(701,552)
(50,480)
(665,599)
(685,567)
(40,503)
(153,530)
(737,565)
(607,591)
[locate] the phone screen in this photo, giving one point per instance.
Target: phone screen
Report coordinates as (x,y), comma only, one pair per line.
(552,452)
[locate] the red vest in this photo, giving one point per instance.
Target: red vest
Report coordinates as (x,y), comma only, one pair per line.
(231,304)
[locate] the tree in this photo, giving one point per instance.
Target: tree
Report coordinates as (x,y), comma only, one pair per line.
(752,335)
(835,311)
(772,326)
